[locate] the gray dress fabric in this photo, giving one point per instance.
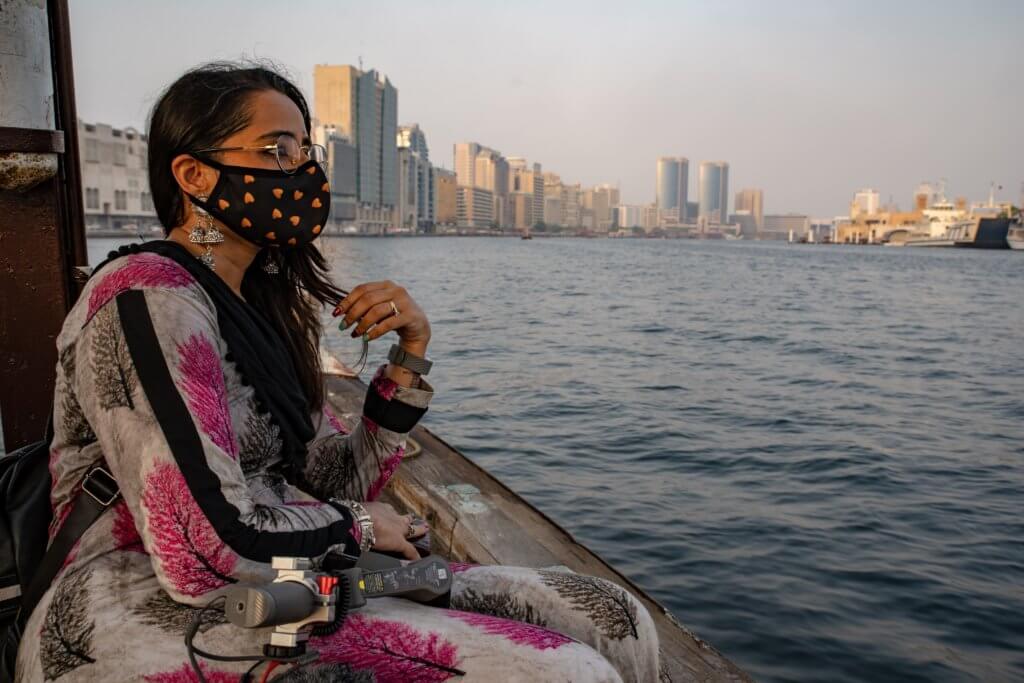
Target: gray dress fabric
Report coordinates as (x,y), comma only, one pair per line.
(120,606)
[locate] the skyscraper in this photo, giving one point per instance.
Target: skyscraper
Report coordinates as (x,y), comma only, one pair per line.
(416,181)
(483,168)
(751,200)
(671,188)
(363,107)
(713,191)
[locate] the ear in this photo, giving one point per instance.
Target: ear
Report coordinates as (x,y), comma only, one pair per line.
(193,176)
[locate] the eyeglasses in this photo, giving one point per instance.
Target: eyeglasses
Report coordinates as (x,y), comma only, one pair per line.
(287,150)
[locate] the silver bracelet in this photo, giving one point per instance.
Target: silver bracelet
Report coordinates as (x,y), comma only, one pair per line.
(365,522)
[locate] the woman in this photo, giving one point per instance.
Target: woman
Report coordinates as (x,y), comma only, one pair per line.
(192,371)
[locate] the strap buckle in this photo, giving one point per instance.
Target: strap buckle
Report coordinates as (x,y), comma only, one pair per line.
(101,486)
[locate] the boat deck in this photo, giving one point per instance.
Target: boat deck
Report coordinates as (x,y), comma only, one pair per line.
(475,518)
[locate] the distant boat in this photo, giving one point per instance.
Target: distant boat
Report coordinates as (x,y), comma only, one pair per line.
(976,233)
(526,236)
(1015,234)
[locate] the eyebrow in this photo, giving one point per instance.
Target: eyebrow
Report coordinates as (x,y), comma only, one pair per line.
(275,134)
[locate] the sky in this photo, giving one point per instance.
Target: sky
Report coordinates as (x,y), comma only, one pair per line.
(809,100)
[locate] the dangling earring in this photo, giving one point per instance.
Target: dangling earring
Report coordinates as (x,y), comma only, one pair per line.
(270,266)
(206,233)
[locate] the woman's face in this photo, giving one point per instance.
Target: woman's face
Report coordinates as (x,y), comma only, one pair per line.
(273,115)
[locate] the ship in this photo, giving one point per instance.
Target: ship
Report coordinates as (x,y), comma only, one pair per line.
(973,233)
(1015,233)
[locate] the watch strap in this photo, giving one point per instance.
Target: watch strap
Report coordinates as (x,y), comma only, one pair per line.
(409,361)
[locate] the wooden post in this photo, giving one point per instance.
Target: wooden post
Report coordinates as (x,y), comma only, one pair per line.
(41,229)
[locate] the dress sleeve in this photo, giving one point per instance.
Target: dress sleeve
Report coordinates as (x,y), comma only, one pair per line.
(357,465)
(151,383)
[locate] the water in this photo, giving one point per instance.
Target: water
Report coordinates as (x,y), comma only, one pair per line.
(814,456)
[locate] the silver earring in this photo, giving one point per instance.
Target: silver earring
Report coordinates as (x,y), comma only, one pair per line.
(270,266)
(206,233)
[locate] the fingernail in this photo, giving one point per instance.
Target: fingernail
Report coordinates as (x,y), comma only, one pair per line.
(354,333)
(342,325)
(366,338)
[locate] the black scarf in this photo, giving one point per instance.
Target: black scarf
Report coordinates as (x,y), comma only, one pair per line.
(258,352)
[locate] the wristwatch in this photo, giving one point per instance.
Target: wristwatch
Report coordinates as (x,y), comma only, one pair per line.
(411,362)
(363,519)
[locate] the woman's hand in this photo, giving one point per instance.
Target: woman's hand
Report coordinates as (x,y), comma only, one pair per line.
(390,529)
(370,305)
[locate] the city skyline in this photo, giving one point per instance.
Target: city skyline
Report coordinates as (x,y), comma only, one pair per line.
(808,101)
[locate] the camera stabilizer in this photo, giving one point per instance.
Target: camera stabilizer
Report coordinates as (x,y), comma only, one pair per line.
(303,601)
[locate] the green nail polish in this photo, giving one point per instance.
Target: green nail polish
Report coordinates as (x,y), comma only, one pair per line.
(366,338)
(341,325)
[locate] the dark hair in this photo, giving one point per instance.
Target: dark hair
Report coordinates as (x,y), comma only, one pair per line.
(201,109)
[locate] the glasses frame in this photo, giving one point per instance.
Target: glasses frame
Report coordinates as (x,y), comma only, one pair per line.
(305,150)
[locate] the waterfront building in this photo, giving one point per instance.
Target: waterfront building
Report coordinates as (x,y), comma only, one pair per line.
(554,200)
(341,173)
(692,211)
(526,187)
(363,107)
(865,202)
(785,226)
(598,204)
(416,181)
(649,219)
(751,200)
(446,192)
(481,167)
(630,216)
(115,180)
(746,223)
(671,188)
(713,192)
(474,207)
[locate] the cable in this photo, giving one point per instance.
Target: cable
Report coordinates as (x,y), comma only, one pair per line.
(193,651)
(270,667)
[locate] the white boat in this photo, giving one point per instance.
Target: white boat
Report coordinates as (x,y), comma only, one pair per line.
(1015,235)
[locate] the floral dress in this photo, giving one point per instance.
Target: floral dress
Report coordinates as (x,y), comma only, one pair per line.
(204,503)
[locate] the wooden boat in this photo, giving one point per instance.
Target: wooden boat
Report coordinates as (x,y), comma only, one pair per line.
(475,518)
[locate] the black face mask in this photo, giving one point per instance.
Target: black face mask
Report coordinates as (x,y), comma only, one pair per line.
(268,207)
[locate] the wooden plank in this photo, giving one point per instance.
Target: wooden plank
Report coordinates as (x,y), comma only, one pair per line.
(475,518)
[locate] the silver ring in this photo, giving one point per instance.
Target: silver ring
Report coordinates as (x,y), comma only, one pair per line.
(412,530)
(394,308)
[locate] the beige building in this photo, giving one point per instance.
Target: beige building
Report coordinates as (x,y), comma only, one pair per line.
(526,193)
(362,106)
(751,201)
(474,207)
(484,168)
(115,180)
(598,206)
(446,202)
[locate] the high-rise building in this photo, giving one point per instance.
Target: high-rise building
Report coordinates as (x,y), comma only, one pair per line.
(481,167)
(341,173)
(526,193)
(673,174)
(474,207)
(115,182)
(416,181)
(362,106)
(446,197)
(713,192)
(751,201)
(598,206)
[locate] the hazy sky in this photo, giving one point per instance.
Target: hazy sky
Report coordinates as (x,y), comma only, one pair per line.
(809,100)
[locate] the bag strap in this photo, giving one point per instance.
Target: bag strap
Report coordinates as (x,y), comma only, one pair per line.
(99,492)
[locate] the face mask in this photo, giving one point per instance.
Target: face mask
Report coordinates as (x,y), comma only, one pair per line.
(269,207)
